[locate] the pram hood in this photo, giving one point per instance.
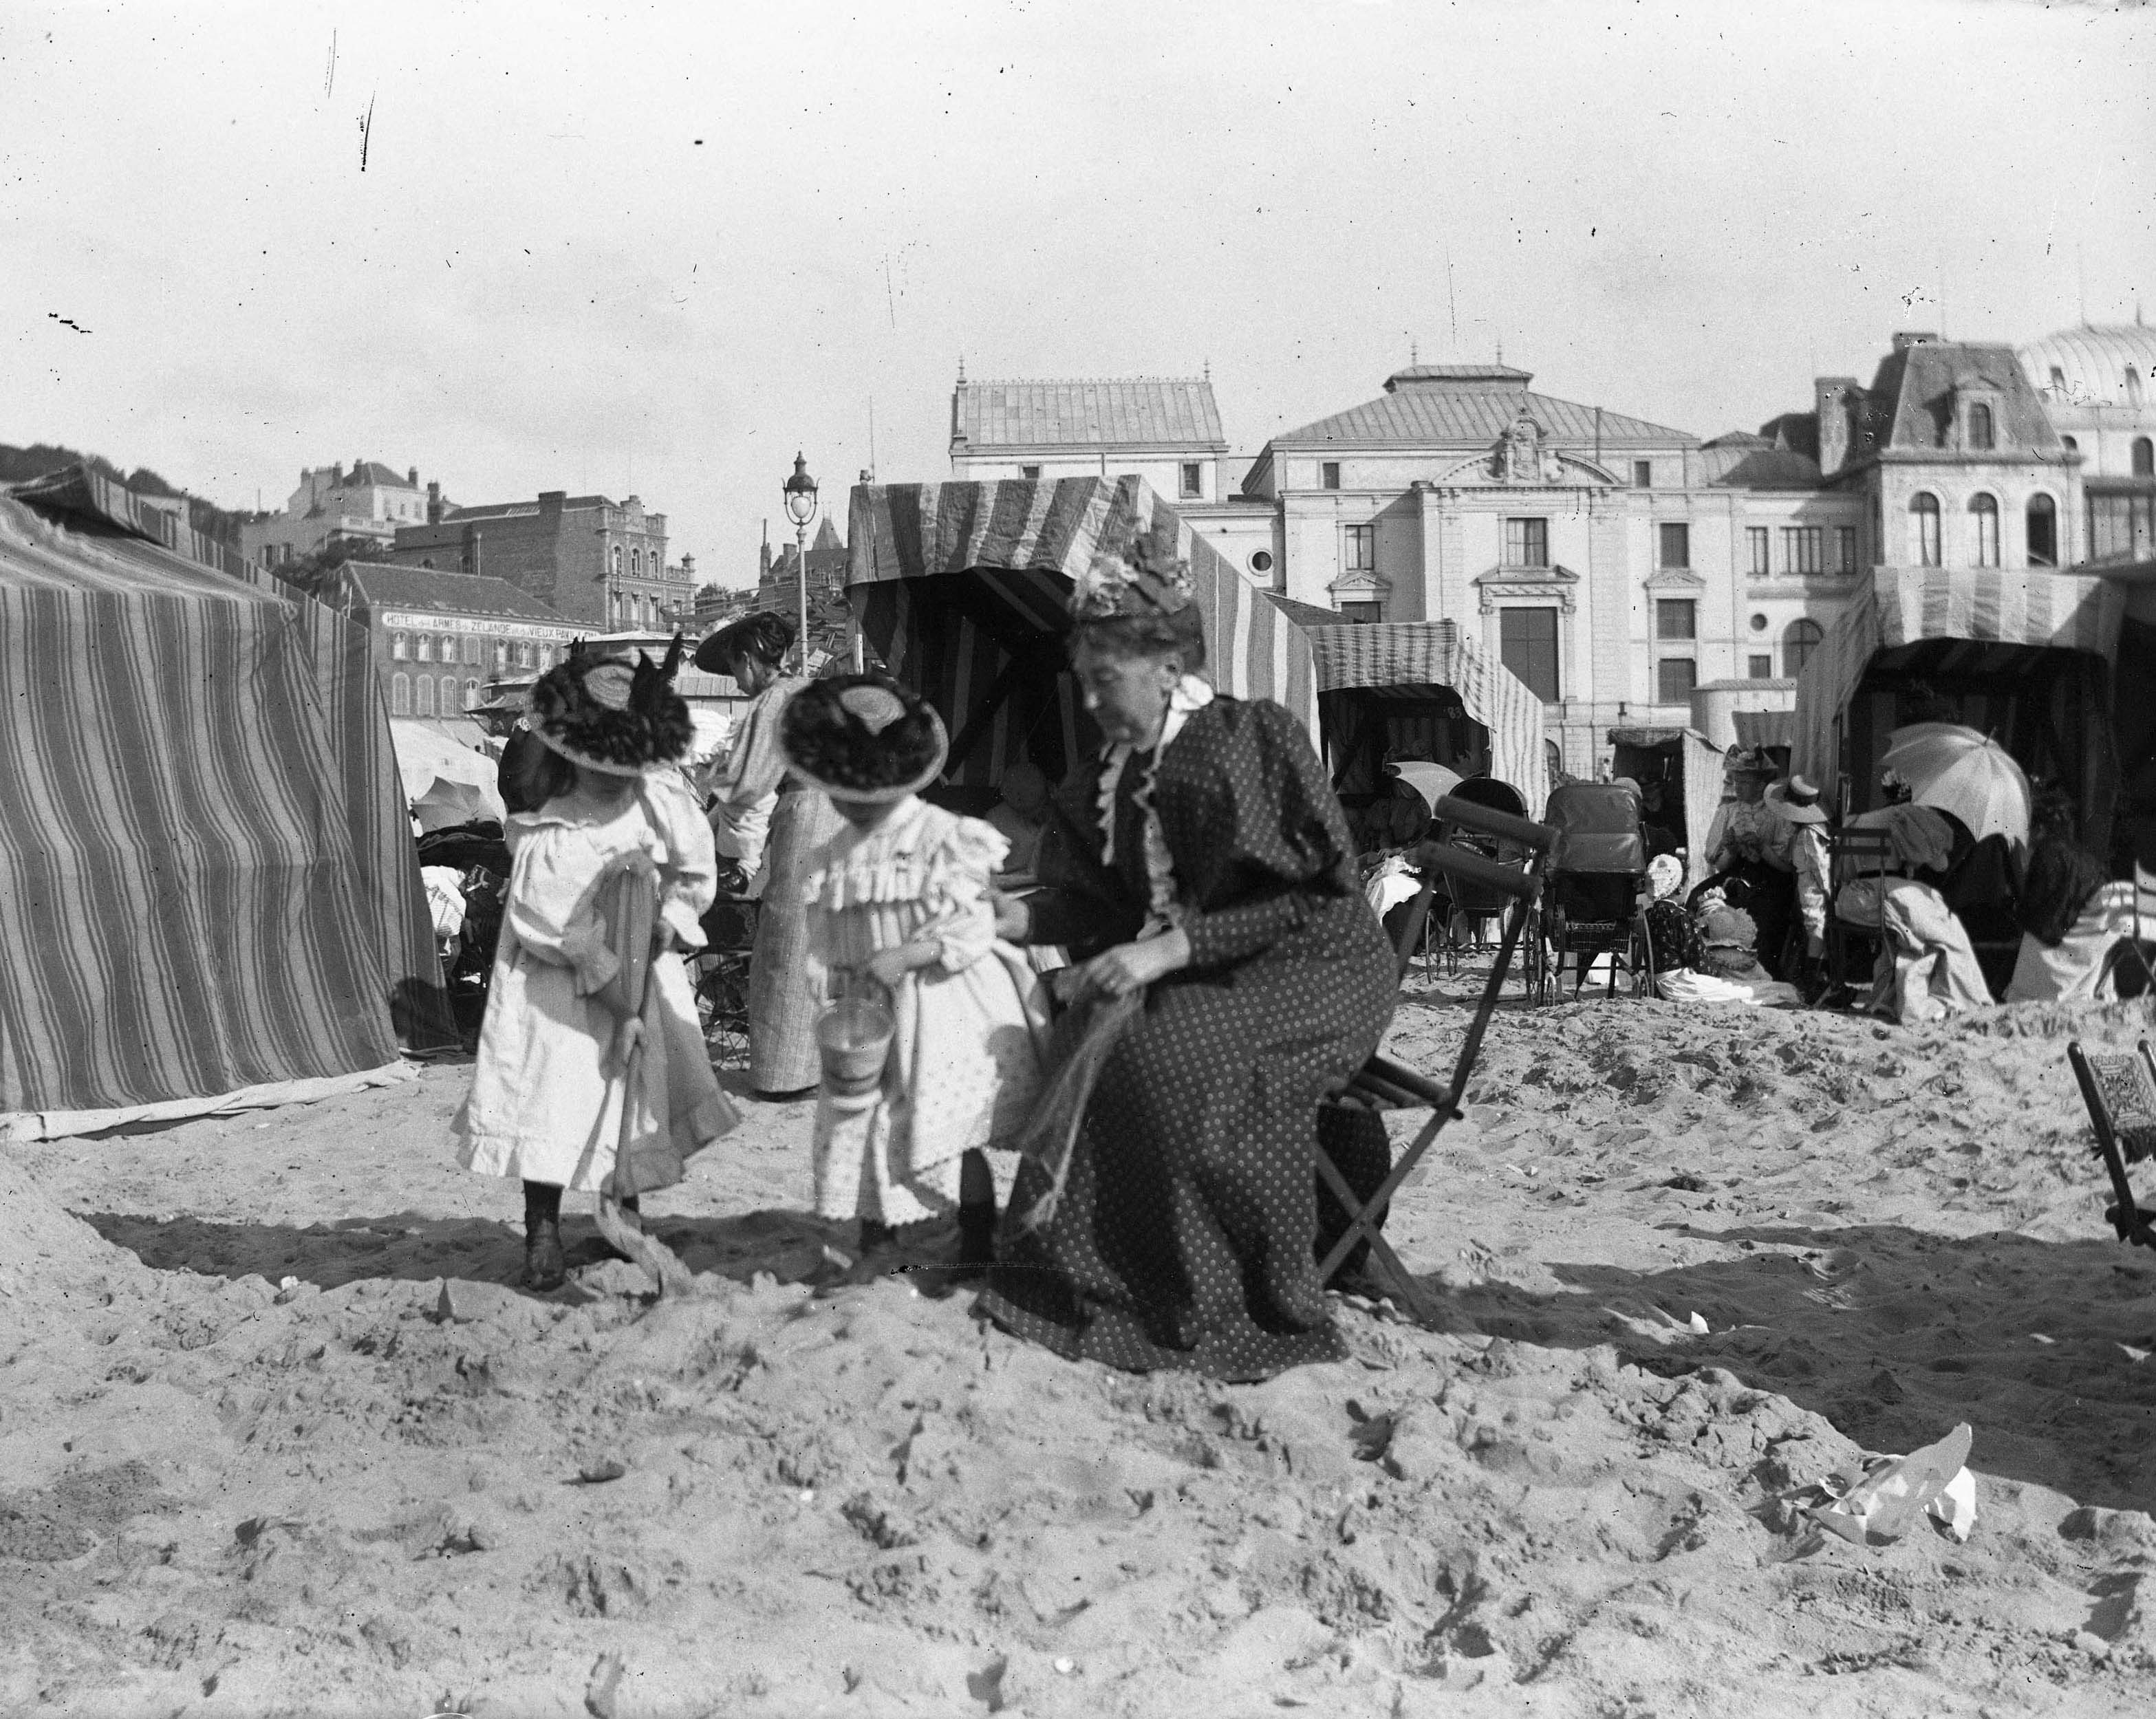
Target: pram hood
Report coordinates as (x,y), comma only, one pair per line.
(1599,829)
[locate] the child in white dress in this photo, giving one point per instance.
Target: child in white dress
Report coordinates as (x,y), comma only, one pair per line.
(547,1091)
(899,908)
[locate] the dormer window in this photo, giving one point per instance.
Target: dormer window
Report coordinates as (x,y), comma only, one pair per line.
(2058,380)
(2133,386)
(1981,433)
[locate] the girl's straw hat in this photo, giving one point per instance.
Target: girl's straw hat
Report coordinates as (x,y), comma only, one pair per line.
(610,716)
(1797,801)
(858,737)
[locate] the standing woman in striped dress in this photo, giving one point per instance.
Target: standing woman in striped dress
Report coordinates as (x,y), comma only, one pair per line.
(785,985)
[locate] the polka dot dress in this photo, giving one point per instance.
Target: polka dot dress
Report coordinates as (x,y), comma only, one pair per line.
(1185,1237)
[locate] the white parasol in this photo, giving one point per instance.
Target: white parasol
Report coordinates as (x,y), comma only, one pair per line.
(1955,769)
(1433,781)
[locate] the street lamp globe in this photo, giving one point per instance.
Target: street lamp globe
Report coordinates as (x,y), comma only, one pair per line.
(800,491)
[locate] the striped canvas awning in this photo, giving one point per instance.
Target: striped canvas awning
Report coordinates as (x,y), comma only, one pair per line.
(195,839)
(1764,728)
(1389,654)
(1985,606)
(961,589)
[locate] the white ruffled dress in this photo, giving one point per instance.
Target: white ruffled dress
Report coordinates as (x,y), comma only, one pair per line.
(544,1106)
(965,1064)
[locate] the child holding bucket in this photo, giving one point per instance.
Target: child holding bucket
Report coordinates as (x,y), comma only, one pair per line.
(547,1092)
(931,1052)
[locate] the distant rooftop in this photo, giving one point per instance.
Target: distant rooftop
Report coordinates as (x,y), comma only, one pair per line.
(1418,373)
(391,587)
(1144,410)
(1472,405)
(2088,366)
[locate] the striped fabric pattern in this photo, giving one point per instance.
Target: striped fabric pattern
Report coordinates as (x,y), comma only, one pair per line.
(955,582)
(1897,606)
(1438,653)
(393,904)
(183,915)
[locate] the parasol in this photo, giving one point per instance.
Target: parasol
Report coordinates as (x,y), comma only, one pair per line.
(1433,781)
(446,802)
(1956,770)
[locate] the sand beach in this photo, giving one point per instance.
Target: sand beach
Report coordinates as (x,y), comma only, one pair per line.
(277,1437)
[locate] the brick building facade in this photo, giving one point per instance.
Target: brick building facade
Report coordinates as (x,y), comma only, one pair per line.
(599,562)
(437,638)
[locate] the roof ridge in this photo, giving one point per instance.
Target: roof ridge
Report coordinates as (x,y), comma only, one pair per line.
(1070,382)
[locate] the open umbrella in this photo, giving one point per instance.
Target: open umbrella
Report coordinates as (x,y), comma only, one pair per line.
(1433,781)
(1957,770)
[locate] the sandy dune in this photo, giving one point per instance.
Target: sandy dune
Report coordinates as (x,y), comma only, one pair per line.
(398,1484)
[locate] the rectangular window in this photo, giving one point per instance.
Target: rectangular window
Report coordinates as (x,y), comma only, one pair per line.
(1755,540)
(471,649)
(1526,645)
(1845,549)
(1676,677)
(1361,612)
(1643,474)
(1031,473)
(1677,617)
(1526,543)
(1362,548)
(1191,474)
(423,648)
(1328,475)
(1761,668)
(2121,525)
(1801,546)
(1676,545)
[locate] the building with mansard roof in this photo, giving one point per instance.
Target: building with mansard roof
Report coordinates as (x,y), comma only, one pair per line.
(1167,429)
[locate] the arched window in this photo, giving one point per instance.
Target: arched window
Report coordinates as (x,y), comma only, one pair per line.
(471,694)
(636,562)
(2070,445)
(2133,386)
(1979,427)
(471,648)
(617,561)
(1924,528)
(423,705)
(400,695)
(1799,639)
(2043,526)
(450,700)
(400,646)
(2144,458)
(1983,511)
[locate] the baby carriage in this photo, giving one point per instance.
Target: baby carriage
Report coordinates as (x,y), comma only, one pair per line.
(1470,907)
(1597,885)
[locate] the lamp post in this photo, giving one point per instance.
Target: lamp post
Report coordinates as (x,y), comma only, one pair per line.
(800,492)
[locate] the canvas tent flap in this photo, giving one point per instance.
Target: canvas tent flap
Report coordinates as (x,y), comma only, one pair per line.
(1764,728)
(1383,653)
(960,588)
(157,544)
(187,914)
(1898,606)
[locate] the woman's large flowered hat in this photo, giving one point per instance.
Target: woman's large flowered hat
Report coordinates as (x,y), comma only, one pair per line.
(610,715)
(1147,577)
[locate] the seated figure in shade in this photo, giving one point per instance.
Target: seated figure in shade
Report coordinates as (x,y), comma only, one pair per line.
(2072,916)
(1022,814)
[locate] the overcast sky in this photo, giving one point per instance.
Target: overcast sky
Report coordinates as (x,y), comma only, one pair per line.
(661,247)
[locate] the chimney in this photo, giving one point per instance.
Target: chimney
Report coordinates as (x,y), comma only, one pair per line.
(1834,401)
(411,477)
(1919,337)
(336,475)
(688,568)
(434,504)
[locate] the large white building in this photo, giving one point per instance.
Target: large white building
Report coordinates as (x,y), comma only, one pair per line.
(2098,386)
(358,509)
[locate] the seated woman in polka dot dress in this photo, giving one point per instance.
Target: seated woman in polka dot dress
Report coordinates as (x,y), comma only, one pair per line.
(1202,856)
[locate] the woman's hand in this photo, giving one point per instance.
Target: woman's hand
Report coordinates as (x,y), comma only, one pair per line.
(1014,918)
(1129,966)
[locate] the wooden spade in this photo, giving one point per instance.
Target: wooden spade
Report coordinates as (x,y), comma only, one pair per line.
(629,904)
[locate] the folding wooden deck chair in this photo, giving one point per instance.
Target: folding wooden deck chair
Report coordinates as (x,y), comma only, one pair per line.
(1852,854)
(2119,1089)
(1383,1084)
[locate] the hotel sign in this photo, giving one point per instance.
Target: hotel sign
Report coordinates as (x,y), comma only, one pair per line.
(407,620)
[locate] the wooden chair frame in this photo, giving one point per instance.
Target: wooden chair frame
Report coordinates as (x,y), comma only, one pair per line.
(1383,1084)
(1852,854)
(2106,1079)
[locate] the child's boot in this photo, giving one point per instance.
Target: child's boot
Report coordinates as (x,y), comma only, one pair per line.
(543,1266)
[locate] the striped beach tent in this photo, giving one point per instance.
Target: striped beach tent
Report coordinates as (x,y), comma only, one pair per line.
(960,589)
(1404,661)
(2025,653)
(199,904)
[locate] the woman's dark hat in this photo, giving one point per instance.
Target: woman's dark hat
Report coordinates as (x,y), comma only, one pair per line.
(611,716)
(858,737)
(1148,577)
(1746,761)
(766,634)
